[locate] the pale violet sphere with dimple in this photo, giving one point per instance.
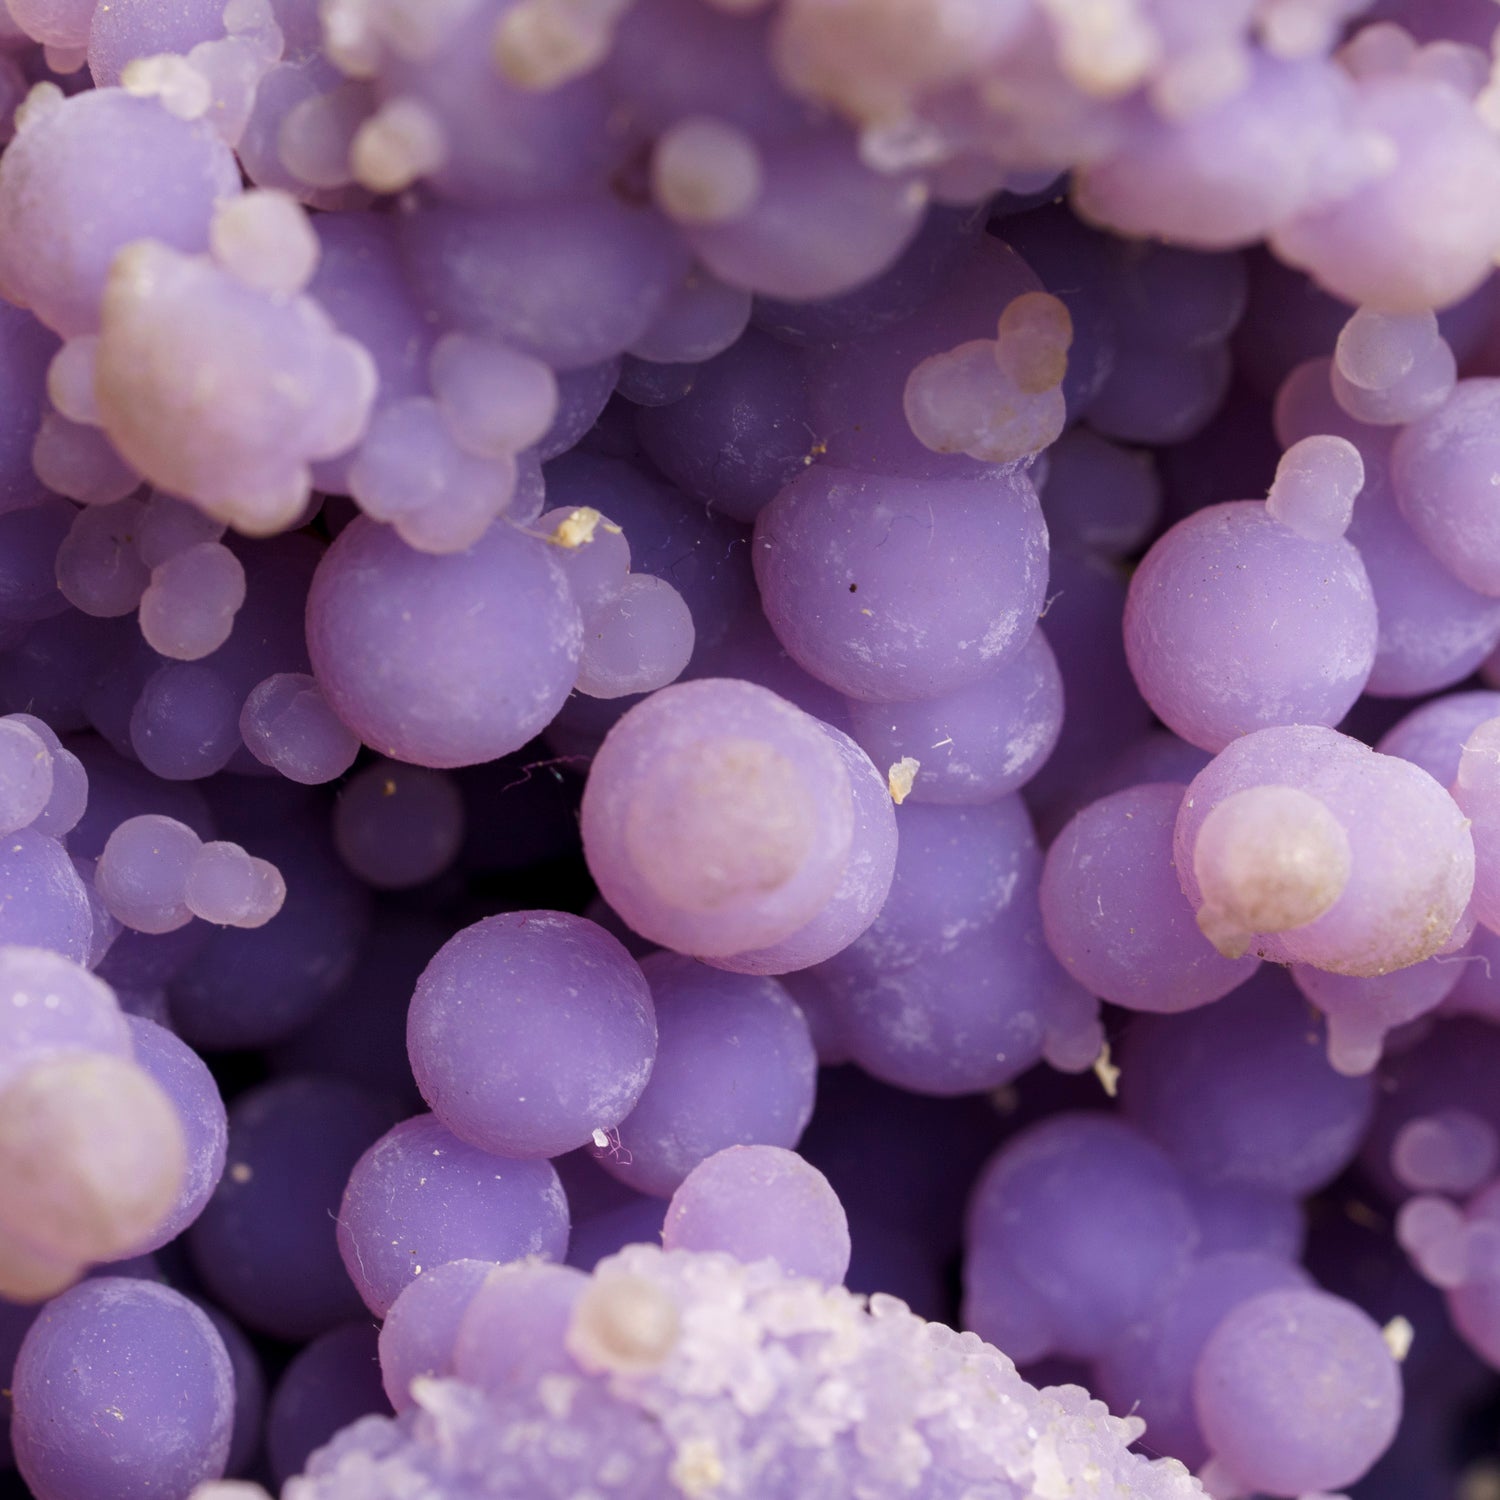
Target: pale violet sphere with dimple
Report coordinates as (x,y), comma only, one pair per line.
(442,661)
(861,894)
(530,1031)
(896,589)
(1235,622)
(717,817)
(1411,857)
(760,1202)
(99,568)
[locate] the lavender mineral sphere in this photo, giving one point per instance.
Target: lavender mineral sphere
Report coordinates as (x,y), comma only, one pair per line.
(70,157)
(734,1066)
(896,589)
(1114,912)
(418,1335)
(1242,1091)
(958,870)
(1295,1390)
(762,1201)
(185,1079)
(265,1244)
(401,640)
(55,1006)
(1072,1228)
(530,1031)
(717,817)
(148,1356)
(512,1329)
(331,1383)
(1235,622)
(1411,859)
(420,1197)
(863,891)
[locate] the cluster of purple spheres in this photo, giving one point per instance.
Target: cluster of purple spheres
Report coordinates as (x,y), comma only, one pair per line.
(749,749)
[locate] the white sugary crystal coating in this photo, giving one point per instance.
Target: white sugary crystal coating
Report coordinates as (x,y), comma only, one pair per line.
(774,1388)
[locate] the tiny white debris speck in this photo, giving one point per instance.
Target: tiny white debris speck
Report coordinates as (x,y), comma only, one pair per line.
(1398,1335)
(1106,1072)
(576,528)
(900,778)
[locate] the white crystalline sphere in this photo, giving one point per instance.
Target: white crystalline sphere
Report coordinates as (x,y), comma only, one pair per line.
(776,1389)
